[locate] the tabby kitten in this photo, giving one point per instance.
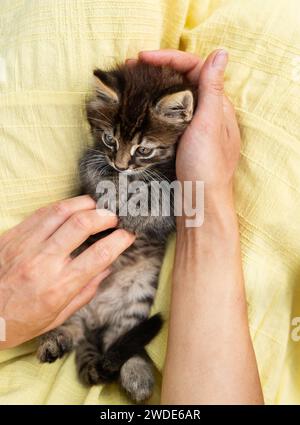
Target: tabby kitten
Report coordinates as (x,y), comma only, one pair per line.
(136,115)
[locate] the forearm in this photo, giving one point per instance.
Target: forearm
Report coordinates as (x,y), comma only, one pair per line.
(210,358)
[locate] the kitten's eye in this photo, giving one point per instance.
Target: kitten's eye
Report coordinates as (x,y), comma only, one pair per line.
(109,140)
(144,151)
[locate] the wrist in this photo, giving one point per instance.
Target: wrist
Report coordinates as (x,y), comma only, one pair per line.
(218,216)
(209,253)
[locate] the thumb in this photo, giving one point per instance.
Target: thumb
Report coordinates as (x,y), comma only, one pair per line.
(211,86)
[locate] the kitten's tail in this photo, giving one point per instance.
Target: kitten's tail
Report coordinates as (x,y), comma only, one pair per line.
(126,346)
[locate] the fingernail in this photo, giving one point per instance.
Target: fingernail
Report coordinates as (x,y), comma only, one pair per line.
(130,60)
(220,59)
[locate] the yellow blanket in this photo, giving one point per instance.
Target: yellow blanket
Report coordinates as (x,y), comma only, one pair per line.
(47,52)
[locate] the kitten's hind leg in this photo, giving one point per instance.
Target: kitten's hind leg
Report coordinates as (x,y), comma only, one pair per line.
(96,363)
(87,360)
(137,377)
(92,365)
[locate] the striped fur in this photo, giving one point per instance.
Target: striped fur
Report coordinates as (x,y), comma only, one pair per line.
(135,110)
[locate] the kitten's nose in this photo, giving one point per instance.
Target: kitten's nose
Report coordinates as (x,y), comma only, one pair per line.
(120,168)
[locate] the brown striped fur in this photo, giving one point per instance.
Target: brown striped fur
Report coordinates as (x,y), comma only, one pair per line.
(133,107)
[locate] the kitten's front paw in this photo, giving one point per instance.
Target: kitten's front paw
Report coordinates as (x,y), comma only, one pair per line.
(137,378)
(54,345)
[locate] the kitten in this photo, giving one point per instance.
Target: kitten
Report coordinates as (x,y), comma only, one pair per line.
(136,115)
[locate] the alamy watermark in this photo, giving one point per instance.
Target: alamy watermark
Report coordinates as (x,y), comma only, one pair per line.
(155,198)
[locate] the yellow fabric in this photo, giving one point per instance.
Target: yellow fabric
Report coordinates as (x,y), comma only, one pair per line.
(47,51)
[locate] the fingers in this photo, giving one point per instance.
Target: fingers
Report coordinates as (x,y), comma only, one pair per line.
(78,228)
(211,89)
(186,63)
(212,74)
(89,268)
(81,299)
(43,222)
(209,75)
(131,62)
(99,256)
(233,132)
(230,118)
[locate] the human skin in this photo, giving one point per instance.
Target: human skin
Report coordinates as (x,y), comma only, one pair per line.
(210,357)
(40,284)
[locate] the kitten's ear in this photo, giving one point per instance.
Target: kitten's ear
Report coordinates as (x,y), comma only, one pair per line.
(176,107)
(104,87)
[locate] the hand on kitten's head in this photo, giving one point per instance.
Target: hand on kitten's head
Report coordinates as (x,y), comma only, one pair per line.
(209,148)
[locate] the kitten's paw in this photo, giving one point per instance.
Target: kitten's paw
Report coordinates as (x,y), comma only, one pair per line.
(87,363)
(137,378)
(54,345)
(93,369)
(89,374)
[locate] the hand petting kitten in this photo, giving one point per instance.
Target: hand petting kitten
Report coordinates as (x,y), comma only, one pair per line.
(209,149)
(110,332)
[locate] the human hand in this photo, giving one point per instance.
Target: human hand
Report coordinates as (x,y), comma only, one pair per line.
(40,284)
(209,149)
(207,285)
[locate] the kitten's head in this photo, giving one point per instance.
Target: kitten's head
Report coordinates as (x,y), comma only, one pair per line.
(137,114)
